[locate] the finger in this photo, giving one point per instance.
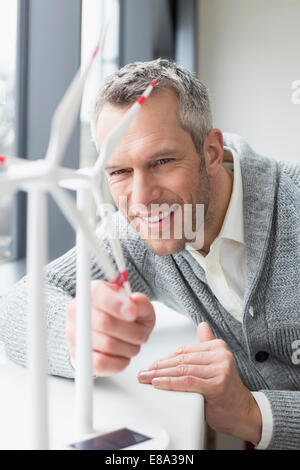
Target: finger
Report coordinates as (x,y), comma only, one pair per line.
(196,358)
(204,372)
(180,350)
(182,384)
(115,347)
(145,310)
(105,365)
(132,332)
(204,332)
(212,345)
(107,298)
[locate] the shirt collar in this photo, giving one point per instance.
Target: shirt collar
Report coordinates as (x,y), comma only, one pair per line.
(233,224)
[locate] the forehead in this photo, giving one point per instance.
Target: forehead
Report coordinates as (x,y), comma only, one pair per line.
(158,116)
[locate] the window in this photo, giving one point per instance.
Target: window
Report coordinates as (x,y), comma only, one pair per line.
(94,14)
(8,33)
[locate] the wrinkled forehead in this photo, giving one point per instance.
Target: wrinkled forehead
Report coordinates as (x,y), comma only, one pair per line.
(160,111)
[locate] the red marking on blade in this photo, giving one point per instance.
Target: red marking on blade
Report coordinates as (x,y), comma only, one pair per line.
(154,83)
(124,276)
(2,160)
(141,100)
(117,282)
(96,51)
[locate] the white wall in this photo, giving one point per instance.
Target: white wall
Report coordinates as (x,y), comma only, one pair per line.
(249,56)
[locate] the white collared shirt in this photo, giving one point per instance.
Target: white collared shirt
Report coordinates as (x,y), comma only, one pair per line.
(225,264)
(225,270)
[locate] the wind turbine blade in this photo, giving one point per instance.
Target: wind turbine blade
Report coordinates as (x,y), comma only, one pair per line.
(14,172)
(78,221)
(72,179)
(109,145)
(67,111)
(7,161)
(113,239)
(115,136)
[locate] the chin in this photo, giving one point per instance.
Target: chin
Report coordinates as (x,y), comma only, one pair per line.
(165,247)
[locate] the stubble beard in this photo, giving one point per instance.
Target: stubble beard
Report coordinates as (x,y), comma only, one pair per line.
(163,247)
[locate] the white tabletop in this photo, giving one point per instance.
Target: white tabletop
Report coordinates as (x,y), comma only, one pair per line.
(118,400)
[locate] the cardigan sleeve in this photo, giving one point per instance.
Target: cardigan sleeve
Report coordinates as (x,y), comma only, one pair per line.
(285,406)
(13,327)
(60,288)
(292,170)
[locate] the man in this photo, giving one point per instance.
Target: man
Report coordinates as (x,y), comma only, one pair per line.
(240,287)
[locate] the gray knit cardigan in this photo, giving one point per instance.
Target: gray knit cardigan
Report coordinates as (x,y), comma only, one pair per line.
(272,230)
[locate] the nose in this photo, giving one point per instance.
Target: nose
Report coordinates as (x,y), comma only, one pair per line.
(145,189)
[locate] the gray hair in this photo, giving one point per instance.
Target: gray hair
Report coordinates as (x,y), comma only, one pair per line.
(126,85)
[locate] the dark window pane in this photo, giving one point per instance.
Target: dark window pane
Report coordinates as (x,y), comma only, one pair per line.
(8,29)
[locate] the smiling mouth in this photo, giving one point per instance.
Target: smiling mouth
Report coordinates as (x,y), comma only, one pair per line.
(153,220)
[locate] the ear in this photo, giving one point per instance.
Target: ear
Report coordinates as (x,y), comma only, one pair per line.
(204,332)
(213,149)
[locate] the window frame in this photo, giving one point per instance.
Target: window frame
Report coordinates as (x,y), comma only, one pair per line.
(39,89)
(19,203)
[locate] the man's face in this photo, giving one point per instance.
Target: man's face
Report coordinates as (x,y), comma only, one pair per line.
(156,164)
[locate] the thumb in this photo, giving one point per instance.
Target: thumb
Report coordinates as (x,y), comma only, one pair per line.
(204,332)
(145,310)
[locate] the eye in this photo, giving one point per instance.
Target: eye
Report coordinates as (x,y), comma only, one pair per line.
(163,161)
(119,172)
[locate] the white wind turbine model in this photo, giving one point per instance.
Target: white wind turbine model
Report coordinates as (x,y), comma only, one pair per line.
(37,178)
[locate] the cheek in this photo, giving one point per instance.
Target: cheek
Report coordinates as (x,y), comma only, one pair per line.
(118,192)
(185,185)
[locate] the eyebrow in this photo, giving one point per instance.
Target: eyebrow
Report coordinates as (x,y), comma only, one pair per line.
(160,153)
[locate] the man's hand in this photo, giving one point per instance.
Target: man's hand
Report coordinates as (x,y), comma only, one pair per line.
(209,368)
(119,327)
